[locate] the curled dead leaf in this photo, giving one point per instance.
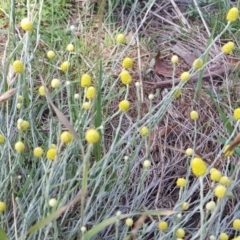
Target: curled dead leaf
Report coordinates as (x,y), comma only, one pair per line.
(7,95)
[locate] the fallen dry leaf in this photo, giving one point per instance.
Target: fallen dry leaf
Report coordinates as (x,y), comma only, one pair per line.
(7,95)
(161,68)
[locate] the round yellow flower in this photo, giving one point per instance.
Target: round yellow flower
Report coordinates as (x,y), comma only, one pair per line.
(41,91)
(185,76)
(236,224)
(180,233)
(53,146)
(19,147)
(26,24)
(129,222)
(144,131)
(163,225)
(198,63)
(185,206)
(20,98)
(65,66)
(189,151)
(38,152)
(224,180)
(174,59)
(91,93)
(55,83)
(2,140)
(223,236)
(220,191)
(127,62)
(125,77)
(194,115)
(236,114)
(228,48)
(52,202)
(226,152)
(86,80)
(181,182)
(19,105)
(146,163)
(92,136)
(3,206)
(215,175)
(86,105)
(23,125)
(66,137)
(210,206)
(121,38)
(70,47)
(124,105)
(177,93)
(232,14)
(199,167)
(51,153)
(18,66)
(50,54)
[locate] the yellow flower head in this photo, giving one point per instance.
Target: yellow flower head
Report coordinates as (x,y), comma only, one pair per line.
(236,114)
(86,80)
(121,38)
(19,105)
(224,180)
(125,77)
(65,66)
(199,167)
(55,83)
(226,152)
(180,233)
(91,93)
(2,140)
(144,131)
(232,14)
(38,152)
(19,147)
(198,63)
(52,202)
(20,98)
(41,91)
(223,236)
(18,66)
(86,105)
(220,191)
(215,175)
(26,24)
(23,125)
(92,136)
(236,224)
(70,47)
(189,151)
(185,206)
(50,54)
(66,137)
(194,115)
(124,105)
(51,153)
(174,59)
(127,62)
(163,225)
(3,206)
(181,182)
(177,93)
(129,222)
(185,76)
(146,163)
(210,206)
(228,48)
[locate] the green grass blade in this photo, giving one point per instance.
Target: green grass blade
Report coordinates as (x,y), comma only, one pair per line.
(3,235)
(99,227)
(98,110)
